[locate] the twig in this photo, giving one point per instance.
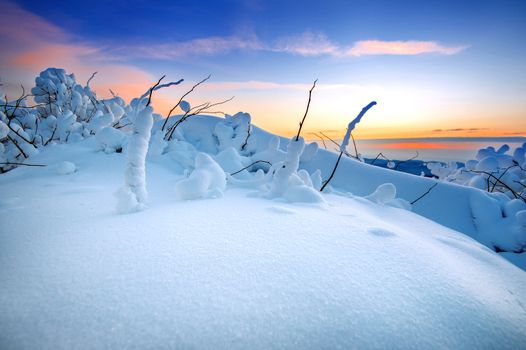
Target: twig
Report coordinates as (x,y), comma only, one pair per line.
(378,156)
(181,99)
(191,112)
(425,194)
(157,86)
(501,175)
(11,163)
(248,166)
(52,135)
(321,139)
(89,80)
(333,171)
(337,144)
(17,146)
(248,135)
(407,160)
(306,110)
(490,175)
(355,148)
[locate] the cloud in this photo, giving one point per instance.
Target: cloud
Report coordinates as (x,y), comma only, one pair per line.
(197,47)
(411,47)
(307,44)
(317,44)
(467,130)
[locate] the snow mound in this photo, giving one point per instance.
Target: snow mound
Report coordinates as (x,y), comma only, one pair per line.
(65,168)
(207,180)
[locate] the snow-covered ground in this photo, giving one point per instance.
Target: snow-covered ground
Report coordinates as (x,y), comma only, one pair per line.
(244,270)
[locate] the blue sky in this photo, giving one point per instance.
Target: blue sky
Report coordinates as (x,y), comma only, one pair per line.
(431,65)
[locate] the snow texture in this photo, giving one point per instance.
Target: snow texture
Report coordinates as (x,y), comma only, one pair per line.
(238,271)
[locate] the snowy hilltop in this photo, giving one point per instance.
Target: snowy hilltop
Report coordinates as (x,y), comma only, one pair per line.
(124,229)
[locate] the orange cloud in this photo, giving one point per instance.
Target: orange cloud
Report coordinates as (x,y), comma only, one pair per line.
(411,47)
(317,44)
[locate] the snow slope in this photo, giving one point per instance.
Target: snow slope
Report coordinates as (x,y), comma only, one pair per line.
(240,271)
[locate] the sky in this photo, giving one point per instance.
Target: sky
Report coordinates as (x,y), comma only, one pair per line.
(436,68)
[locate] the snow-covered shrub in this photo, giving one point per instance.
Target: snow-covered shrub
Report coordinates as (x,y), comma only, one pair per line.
(64,112)
(234,131)
(287,182)
(502,175)
(206,180)
(110,140)
(491,170)
(134,196)
(385,194)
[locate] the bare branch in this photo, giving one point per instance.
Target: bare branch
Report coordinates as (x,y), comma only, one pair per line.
(425,194)
(306,110)
(17,146)
(407,160)
(89,80)
(332,174)
(202,108)
(181,99)
(355,148)
(11,163)
(248,166)
(157,86)
(321,139)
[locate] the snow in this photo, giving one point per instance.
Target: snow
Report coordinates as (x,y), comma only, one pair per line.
(237,271)
(521,217)
(135,173)
(4,130)
(110,140)
(65,168)
(207,180)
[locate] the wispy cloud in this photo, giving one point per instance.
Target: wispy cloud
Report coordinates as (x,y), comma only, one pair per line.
(307,44)
(318,44)
(465,130)
(197,47)
(410,47)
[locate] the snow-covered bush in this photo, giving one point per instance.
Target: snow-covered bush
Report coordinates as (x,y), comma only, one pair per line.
(495,171)
(206,180)
(288,182)
(64,112)
(502,174)
(133,196)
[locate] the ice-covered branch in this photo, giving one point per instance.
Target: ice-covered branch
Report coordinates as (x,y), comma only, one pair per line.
(158,86)
(352,125)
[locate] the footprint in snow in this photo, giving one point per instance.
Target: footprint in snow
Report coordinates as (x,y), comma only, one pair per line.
(380,232)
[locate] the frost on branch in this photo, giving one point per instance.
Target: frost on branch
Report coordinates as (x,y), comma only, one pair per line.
(352,125)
